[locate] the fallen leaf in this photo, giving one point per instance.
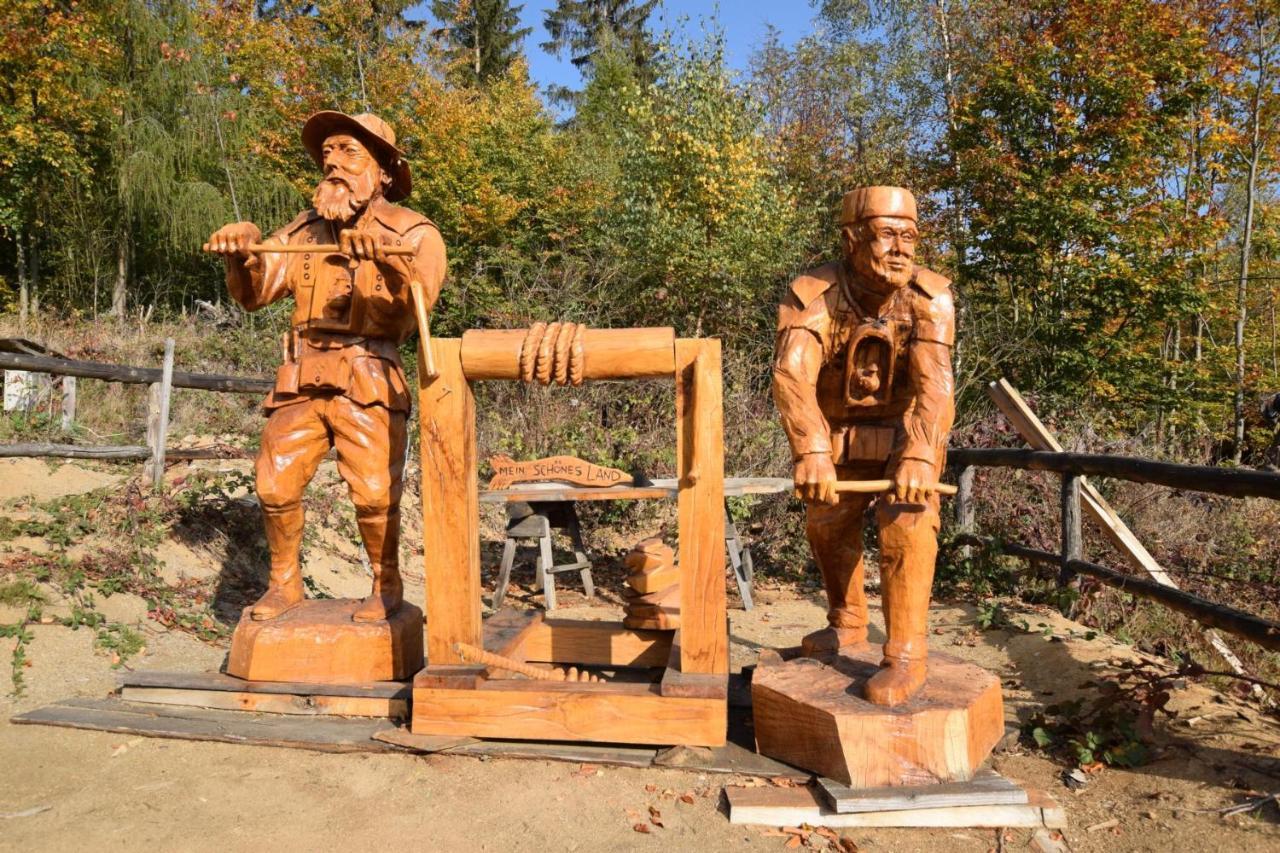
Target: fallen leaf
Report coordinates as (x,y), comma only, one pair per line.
(651,787)
(783,782)
(793,843)
(847,845)
(641,827)
(686,798)
(653,812)
(589,770)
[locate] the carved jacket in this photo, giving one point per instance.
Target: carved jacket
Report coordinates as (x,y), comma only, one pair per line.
(910,414)
(347,321)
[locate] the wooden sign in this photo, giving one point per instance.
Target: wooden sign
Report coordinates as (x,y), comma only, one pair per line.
(567,469)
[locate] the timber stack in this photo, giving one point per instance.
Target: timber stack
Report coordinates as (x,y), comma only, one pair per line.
(653,587)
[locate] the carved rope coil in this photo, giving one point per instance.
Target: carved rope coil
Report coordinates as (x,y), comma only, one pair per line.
(553,353)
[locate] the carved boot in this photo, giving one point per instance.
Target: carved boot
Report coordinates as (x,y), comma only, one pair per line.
(284,537)
(381,535)
(906,576)
(839,558)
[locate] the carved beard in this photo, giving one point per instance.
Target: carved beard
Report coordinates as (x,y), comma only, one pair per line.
(341,196)
(877,272)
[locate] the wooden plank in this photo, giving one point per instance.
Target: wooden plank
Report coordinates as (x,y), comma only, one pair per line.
(271,703)
(987,788)
(559,492)
(569,712)
(451,522)
(728,758)
(700,452)
(506,631)
(577,753)
(574,641)
(220,681)
(799,806)
(133,375)
(1034,432)
(112,715)
(402,737)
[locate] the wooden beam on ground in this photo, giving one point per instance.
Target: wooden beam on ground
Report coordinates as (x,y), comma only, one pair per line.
(112,715)
(132,375)
(1034,432)
(771,806)
(986,788)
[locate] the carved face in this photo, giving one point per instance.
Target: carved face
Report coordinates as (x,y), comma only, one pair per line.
(881,250)
(352,178)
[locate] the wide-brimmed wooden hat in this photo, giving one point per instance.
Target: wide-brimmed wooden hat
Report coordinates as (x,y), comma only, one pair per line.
(375,133)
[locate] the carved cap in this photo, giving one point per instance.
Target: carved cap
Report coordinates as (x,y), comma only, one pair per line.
(376,135)
(867,202)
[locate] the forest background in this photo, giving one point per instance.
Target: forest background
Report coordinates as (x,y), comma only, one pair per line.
(1098,177)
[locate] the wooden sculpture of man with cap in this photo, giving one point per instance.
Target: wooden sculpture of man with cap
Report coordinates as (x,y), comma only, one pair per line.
(341,385)
(864,385)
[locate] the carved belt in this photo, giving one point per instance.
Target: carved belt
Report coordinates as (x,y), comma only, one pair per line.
(321,361)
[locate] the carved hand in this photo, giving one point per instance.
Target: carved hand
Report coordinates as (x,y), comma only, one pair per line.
(911,481)
(815,478)
(233,241)
(367,246)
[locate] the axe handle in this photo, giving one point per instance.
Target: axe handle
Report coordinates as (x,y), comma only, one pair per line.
(426,361)
(871,487)
(321,248)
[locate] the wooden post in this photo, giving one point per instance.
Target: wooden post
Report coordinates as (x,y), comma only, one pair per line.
(68,403)
(450,509)
(704,632)
(1071,530)
(158,418)
(964,507)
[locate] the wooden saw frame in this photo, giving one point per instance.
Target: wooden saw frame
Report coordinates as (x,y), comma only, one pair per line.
(688,705)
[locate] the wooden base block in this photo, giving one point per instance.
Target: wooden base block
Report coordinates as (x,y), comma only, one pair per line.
(318,643)
(543,710)
(811,713)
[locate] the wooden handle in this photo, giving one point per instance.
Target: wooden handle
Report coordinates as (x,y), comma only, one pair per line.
(608,353)
(426,361)
(872,487)
(322,248)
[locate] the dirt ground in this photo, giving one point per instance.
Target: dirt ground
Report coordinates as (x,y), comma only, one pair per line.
(65,789)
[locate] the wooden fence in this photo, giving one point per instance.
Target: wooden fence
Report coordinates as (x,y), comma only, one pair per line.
(161,382)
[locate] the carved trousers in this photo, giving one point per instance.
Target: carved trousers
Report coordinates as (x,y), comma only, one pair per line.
(908,550)
(370,442)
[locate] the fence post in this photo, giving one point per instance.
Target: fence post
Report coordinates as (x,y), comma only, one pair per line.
(158,418)
(68,403)
(965,508)
(1072,534)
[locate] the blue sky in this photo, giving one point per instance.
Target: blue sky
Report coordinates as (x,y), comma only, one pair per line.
(744,23)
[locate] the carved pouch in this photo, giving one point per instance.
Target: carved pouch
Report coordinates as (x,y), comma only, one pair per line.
(869,442)
(870,362)
(324,370)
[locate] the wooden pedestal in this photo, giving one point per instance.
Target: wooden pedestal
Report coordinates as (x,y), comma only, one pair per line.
(317,643)
(811,713)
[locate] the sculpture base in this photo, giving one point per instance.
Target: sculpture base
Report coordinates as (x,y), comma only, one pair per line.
(810,713)
(317,643)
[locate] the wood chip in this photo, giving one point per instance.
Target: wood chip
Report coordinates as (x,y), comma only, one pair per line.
(1106,824)
(793,843)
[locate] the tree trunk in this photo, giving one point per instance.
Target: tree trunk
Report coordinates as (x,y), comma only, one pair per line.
(24,285)
(1242,286)
(119,289)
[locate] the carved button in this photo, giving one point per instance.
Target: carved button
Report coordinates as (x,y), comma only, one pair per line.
(397,242)
(307,257)
(379,278)
(311,239)
(377,287)
(306,275)
(306,266)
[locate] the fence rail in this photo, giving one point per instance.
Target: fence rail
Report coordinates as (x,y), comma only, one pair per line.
(1234,482)
(162,381)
